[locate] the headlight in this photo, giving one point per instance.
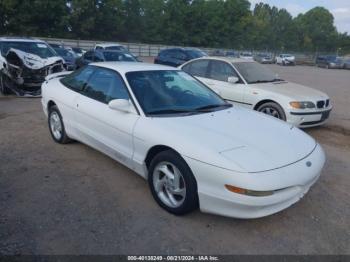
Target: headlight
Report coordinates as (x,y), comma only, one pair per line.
(302,105)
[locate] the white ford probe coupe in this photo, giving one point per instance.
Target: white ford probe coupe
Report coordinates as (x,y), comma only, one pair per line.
(193,147)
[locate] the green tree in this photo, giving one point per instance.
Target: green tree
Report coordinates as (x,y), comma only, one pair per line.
(316,30)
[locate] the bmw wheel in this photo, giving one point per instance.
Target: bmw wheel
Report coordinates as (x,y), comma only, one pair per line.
(56,126)
(272,109)
(172,183)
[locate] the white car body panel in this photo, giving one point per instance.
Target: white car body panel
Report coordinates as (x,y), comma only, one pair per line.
(282,93)
(222,147)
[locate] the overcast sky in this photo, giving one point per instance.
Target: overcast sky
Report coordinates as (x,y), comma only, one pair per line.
(339,8)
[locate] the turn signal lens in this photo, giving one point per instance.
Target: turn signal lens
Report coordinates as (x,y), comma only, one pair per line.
(302,105)
(248,192)
(295,104)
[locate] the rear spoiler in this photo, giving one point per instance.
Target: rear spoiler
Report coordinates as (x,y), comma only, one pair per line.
(57,75)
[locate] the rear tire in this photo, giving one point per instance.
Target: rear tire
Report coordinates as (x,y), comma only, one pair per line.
(172,183)
(56,126)
(272,109)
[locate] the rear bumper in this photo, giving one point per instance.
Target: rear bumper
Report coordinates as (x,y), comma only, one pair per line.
(289,184)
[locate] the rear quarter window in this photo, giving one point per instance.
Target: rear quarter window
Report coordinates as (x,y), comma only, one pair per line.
(78,79)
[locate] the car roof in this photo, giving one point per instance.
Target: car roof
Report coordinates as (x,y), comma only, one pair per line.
(20,39)
(125,67)
(225,59)
(108,44)
(181,49)
(110,51)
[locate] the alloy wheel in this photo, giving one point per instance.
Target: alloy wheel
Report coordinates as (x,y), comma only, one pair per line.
(56,125)
(271,111)
(169,184)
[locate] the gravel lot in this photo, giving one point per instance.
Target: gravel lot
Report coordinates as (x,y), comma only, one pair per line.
(71,199)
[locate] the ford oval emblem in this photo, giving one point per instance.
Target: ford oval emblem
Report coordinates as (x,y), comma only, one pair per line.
(308,164)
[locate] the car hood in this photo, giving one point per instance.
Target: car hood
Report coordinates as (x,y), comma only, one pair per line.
(236,139)
(33,61)
(294,91)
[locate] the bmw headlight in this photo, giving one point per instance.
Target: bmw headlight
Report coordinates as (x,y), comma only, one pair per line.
(302,105)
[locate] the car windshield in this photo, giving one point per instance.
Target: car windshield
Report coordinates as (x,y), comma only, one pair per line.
(77,50)
(64,52)
(118,56)
(116,47)
(170,92)
(196,53)
(37,48)
(256,73)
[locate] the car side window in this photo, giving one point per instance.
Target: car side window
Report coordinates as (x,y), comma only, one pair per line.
(221,71)
(179,55)
(99,48)
(78,79)
(197,68)
(106,85)
(97,57)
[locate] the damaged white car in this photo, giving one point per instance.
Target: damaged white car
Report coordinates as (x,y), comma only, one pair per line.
(24,64)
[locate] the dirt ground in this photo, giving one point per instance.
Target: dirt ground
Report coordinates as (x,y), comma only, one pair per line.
(72,199)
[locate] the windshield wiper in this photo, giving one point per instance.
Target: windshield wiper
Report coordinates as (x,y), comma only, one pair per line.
(169,111)
(266,81)
(208,107)
(278,80)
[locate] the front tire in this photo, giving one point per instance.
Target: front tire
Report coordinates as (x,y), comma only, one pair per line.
(172,183)
(272,109)
(3,88)
(56,126)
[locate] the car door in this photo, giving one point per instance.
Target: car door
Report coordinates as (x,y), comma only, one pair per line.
(103,128)
(66,98)
(217,79)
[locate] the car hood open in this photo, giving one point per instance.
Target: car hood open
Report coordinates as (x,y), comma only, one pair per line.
(236,139)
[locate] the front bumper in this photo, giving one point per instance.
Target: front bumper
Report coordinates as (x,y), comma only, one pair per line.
(335,66)
(289,62)
(309,119)
(290,184)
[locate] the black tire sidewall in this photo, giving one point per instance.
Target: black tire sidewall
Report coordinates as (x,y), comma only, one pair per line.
(3,87)
(191,200)
(276,107)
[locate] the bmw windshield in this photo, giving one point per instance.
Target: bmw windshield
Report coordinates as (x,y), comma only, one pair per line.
(37,48)
(255,73)
(170,92)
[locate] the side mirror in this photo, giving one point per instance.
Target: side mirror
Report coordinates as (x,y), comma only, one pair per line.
(232,79)
(122,105)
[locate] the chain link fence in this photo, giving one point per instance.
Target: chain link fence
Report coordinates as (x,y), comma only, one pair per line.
(152,50)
